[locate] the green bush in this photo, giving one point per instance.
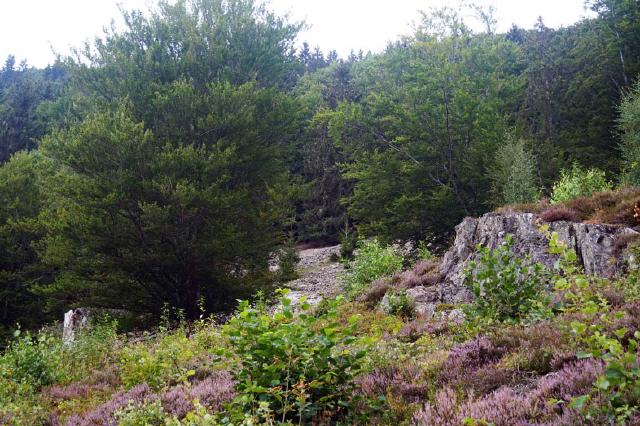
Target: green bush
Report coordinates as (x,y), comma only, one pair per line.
(348,244)
(372,261)
(397,302)
(505,287)
(288,259)
(579,182)
(514,174)
(147,414)
(32,360)
(170,360)
(293,367)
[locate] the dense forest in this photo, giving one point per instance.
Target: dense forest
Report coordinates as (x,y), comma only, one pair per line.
(163,164)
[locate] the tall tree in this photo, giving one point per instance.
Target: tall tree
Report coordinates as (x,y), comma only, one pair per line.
(434,113)
(171,186)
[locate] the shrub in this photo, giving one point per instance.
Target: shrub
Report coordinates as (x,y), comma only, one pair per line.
(551,402)
(211,393)
(375,292)
(32,360)
(514,177)
(397,302)
(294,366)
(147,413)
(348,244)
(104,414)
(288,259)
(169,361)
(371,262)
(404,381)
(579,182)
(505,287)
(556,213)
(417,328)
(469,357)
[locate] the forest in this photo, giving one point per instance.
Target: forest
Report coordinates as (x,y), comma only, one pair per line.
(161,166)
(165,162)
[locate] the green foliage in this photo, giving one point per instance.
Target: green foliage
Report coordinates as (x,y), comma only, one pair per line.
(514,177)
(598,336)
(147,414)
(505,286)
(579,182)
(24,94)
(629,127)
(424,253)
(348,243)
(167,362)
(288,260)
(373,260)
(293,366)
(32,360)
(421,139)
(181,219)
(398,303)
(21,200)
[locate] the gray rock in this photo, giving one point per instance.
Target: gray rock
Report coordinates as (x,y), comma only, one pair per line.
(74,320)
(594,244)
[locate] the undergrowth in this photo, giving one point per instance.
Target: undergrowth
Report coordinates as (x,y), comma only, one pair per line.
(537,346)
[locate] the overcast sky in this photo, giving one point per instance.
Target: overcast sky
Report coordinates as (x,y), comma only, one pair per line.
(32,28)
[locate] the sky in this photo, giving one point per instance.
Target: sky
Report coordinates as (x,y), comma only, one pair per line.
(34,29)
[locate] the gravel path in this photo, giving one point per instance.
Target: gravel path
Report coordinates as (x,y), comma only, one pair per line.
(318,276)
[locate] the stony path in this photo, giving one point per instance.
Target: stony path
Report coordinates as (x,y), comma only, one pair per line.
(318,276)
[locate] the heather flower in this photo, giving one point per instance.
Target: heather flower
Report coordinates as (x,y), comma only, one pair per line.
(417,328)
(402,382)
(375,292)
(212,392)
(103,415)
(508,407)
(469,357)
(72,391)
(573,379)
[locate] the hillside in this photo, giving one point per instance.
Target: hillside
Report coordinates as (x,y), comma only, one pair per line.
(241,229)
(543,345)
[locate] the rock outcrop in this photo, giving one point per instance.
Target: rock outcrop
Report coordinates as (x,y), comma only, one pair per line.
(596,245)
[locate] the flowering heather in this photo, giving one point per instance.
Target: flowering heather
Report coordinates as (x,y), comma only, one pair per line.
(103,415)
(469,357)
(417,328)
(425,266)
(212,392)
(375,292)
(402,382)
(424,273)
(508,407)
(72,391)
(574,379)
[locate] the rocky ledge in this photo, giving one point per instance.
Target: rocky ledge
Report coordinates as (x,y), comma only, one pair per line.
(599,247)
